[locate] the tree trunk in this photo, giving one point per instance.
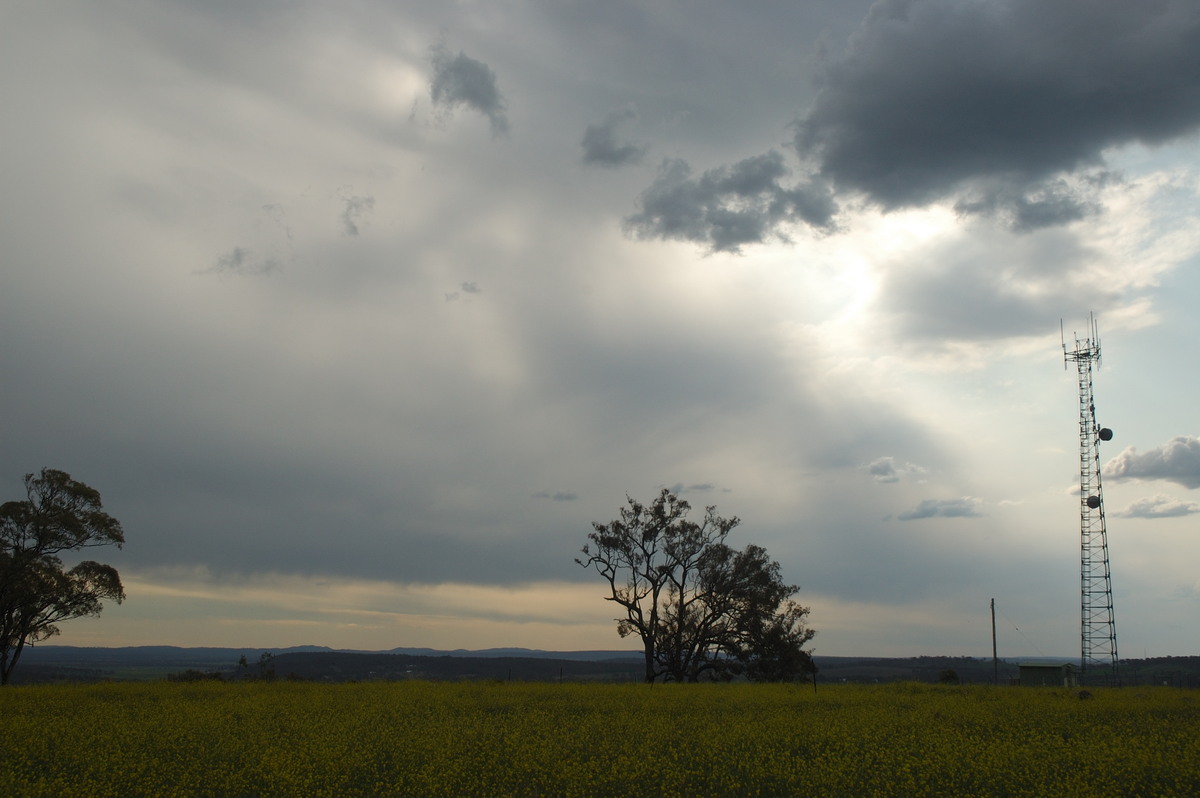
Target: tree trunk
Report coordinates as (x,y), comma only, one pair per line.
(9,661)
(650,669)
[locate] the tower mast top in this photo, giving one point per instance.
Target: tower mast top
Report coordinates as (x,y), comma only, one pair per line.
(1087,348)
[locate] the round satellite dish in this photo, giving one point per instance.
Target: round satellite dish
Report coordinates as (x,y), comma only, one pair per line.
(1105,434)
(1093,502)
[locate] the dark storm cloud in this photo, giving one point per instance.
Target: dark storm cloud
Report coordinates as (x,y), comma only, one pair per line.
(1158,507)
(942,508)
(459,80)
(991,103)
(729,206)
(603,147)
(355,211)
(1177,460)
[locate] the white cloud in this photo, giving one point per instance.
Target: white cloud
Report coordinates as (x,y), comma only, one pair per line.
(1177,460)
(1158,506)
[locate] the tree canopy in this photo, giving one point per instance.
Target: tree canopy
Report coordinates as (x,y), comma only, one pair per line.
(701,608)
(37,591)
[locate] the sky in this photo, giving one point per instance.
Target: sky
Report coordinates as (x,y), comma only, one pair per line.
(358,315)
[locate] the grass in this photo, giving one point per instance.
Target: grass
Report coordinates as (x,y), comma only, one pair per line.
(458,738)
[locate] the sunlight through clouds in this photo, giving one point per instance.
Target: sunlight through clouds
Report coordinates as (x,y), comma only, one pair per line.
(359,614)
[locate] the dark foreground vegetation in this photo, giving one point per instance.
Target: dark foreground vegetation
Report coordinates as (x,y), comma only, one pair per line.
(525,738)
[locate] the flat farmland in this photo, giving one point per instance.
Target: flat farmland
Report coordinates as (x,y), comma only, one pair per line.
(528,739)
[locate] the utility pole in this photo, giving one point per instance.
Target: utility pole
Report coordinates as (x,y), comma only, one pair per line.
(995,659)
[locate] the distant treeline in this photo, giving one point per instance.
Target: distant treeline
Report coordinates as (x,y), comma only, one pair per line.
(69,664)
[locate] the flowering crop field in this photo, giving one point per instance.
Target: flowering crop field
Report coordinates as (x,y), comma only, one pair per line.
(459,738)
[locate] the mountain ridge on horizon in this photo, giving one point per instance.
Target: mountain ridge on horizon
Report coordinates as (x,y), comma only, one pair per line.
(49,664)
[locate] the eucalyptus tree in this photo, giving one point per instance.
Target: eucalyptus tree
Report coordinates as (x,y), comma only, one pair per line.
(37,590)
(700,608)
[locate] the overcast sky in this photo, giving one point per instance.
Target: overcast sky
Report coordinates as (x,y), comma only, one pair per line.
(359,314)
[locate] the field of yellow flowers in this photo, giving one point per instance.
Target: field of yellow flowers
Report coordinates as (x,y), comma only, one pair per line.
(429,739)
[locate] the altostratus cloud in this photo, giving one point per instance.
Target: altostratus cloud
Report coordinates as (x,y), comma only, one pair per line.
(1177,460)
(461,81)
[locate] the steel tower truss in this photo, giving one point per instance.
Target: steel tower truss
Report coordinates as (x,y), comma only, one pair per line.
(1098,626)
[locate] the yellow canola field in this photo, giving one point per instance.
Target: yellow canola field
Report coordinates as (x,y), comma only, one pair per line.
(431,739)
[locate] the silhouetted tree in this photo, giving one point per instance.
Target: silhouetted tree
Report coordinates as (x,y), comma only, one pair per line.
(37,591)
(700,607)
(266,666)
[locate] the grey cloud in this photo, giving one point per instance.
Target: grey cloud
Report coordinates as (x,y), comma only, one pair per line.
(943,508)
(467,288)
(884,469)
(940,98)
(602,146)
(729,206)
(558,496)
(704,487)
(459,80)
(983,283)
(1052,203)
(1158,506)
(241,261)
(357,208)
(1177,460)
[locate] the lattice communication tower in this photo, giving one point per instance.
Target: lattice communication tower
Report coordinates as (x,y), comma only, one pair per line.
(1099,631)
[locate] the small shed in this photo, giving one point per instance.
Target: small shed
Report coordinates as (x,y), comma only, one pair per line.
(1048,674)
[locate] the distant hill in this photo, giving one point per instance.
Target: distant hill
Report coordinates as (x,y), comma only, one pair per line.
(532,653)
(540,667)
(320,663)
(72,663)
